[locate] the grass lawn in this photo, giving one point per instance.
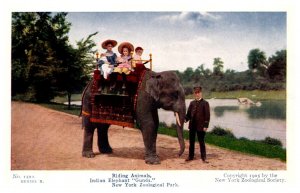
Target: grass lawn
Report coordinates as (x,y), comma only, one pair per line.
(254,95)
(240,145)
(62,99)
(75,110)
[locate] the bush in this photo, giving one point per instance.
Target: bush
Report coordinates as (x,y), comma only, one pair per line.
(188,90)
(173,125)
(243,139)
(26,97)
(272,141)
(217,130)
(163,125)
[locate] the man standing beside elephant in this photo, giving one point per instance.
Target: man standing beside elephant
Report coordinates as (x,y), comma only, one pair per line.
(199,115)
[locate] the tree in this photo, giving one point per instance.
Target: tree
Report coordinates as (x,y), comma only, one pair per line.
(197,74)
(201,70)
(201,73)
(257,61)
(218,67)
(22,35)
(277,68)
(34,58)
(44,64)
(77,67)
(187,74)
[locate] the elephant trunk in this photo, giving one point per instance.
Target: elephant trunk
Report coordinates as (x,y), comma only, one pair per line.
(180,116)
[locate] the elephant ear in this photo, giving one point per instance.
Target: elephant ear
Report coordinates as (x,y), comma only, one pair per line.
(152,86)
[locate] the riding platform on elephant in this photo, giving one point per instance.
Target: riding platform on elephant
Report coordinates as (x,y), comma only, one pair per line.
(116,106)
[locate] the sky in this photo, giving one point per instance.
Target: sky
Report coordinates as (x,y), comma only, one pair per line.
(178,40)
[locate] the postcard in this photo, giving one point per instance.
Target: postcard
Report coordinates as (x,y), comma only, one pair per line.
(116,97)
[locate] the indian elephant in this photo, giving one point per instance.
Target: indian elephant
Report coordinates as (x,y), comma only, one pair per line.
(160,90)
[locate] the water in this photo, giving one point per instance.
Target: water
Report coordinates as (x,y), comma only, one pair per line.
(252,122)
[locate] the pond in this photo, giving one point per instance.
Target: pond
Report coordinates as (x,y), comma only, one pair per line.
(250,121)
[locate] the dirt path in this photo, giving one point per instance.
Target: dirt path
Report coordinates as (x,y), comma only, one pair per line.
(44,139)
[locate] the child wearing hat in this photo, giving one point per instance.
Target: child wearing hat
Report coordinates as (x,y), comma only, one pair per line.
(124,49)
(124,66)
(108,59)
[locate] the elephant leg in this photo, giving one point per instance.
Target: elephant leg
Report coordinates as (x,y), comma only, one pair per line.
(149,132)
(103,143)
(149,137)
(87,150)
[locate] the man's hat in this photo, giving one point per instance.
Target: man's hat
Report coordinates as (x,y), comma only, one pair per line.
(106,42)
(197,88)
(125,45)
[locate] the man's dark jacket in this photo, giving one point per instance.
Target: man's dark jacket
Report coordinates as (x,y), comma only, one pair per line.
(198,114)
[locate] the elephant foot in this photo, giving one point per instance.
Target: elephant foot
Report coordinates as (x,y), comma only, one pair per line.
(88,154)
(106,150)
(152,160)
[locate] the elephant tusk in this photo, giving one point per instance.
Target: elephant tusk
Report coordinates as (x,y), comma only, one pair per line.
(177,119)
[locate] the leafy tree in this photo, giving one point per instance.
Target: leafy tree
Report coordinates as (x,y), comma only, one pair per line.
(78,66)
(277,68)
(218,67)
(34,57)
(22,35)
(197,74)
(187,74)
(257,61)
(44,64)
(202,71)
(207,72)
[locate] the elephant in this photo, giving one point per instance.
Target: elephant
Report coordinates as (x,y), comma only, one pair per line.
(160,90)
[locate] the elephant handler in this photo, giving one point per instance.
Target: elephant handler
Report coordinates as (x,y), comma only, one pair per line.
(199,115)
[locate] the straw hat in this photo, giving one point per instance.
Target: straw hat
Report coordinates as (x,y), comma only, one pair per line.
(106,42)
(126,45)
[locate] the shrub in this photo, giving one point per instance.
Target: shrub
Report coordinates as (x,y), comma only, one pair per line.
(173,125)
(272,141)
(163,125)
(217,130)
(166,126)
(244,139)
(188,90)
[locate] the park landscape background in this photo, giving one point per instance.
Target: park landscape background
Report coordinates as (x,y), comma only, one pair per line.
(48,68)
(45,63)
